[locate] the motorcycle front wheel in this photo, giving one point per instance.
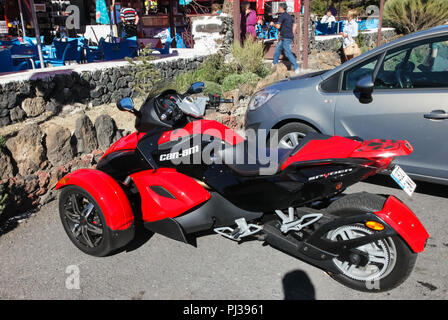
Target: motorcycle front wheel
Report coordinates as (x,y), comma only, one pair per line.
(391,261)
(84,221)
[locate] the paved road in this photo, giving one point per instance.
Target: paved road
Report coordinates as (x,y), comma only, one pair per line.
(35,255)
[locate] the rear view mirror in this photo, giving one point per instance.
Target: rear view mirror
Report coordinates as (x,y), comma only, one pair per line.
(195,88)
(126,104)
(364,87)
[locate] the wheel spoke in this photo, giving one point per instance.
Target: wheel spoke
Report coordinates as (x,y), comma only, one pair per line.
(72,217)
(294,136)
(75,204)
(284,144)
(93,228)
(381,260)
(86,236)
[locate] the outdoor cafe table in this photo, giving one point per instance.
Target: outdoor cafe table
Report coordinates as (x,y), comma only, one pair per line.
(30,57)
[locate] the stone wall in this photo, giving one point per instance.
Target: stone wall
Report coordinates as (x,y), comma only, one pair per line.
(26,99)
(368,40)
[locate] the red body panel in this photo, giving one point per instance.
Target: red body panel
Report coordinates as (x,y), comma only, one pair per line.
(381,151)
(187,192)
(333,148)
(128,142)
(396,214)
(209,127)
(108,194)
(378,148)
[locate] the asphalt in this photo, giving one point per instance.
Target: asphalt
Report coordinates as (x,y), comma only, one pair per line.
(37,261)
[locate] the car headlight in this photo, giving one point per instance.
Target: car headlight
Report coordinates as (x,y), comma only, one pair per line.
(261,97)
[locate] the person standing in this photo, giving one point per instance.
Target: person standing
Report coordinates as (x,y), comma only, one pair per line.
(287,28)
(351,49)
(129,20)
(248,21)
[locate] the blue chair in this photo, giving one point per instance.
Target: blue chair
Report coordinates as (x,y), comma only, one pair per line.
(8,43)
(116,51)
(133,46)
(7,65)
(362,25)
(82,44)
(372,23)
(33,40)
(64,51)
(166,47)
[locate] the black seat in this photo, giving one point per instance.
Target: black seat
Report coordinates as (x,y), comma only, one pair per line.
(247,159)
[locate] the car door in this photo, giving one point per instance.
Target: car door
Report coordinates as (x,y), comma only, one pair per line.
(409,101)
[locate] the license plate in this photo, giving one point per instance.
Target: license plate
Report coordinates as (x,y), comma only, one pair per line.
(403,180)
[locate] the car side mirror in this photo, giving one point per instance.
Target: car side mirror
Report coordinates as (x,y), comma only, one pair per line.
(125,104)
(364,89)
(195,88)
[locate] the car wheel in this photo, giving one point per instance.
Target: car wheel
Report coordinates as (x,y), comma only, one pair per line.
(292,133)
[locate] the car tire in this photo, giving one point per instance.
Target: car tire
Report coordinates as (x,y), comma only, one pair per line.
(293,129)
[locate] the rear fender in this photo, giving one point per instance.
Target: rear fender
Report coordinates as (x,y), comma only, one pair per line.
(108,194)
(398,216)
(166,193)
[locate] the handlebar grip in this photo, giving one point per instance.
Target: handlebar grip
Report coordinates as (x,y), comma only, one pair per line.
(166,114)
(226,100)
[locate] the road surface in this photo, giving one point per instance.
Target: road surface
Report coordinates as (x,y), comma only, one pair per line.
(38,261)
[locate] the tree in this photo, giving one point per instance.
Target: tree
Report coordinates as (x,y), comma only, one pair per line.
(409,16)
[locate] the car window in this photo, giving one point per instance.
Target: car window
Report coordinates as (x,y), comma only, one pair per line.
(422,64)
(352,75)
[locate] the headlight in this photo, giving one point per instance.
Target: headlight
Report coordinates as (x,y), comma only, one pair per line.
(261,97)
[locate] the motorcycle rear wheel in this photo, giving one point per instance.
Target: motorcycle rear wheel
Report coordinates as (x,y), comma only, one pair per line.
(391,261)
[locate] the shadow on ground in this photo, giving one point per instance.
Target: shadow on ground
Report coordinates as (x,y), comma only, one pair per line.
(298,286)
(432,189)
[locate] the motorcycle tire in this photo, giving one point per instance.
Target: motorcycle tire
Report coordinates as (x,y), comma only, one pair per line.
(405,258)
(100,245)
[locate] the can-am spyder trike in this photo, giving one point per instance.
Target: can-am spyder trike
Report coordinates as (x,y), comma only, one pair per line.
(181,176)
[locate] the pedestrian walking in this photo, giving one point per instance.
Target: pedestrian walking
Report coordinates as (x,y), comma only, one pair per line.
(287,27)
(248,21)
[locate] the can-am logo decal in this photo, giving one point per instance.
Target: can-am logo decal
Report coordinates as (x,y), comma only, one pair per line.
(180,154)
(329,174)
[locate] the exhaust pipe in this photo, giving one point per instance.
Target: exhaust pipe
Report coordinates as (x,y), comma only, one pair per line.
(294,247)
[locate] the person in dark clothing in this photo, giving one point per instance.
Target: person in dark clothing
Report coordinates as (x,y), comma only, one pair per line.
(287,27)
(129,20)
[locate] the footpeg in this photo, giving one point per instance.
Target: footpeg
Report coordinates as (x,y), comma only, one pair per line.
(290,223)
(242,230)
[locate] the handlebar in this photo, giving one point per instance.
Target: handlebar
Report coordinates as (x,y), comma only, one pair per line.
(216,100)
(164,116)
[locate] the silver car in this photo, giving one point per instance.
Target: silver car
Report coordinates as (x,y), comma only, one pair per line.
(396,91)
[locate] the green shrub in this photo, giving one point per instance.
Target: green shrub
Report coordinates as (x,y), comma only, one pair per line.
(232,81)
(409,16)
(2,141)
(215,69)
(184,80)
(212,88)
(147,78)
(248,58)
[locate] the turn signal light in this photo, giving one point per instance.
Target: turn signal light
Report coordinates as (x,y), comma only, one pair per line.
(374,225)
(64,180)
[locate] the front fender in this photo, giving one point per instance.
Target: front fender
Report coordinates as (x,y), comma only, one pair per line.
(398,216)
(108,194)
